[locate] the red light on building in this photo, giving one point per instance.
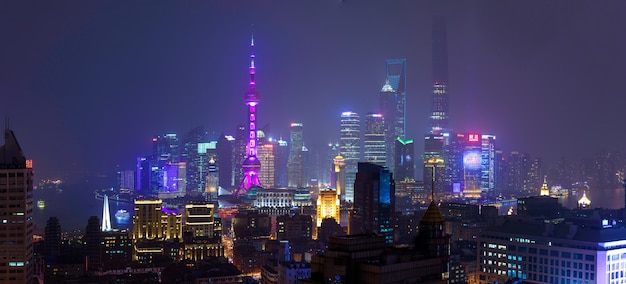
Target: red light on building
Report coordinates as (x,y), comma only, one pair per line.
(474,138)
(29,164)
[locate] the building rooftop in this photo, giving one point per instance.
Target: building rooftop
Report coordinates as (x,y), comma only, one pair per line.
(562,231)
(432,214)
(11,155)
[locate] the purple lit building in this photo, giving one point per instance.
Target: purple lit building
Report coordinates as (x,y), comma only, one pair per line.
(251,166)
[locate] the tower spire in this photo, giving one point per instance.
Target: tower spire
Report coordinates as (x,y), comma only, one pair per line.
(251,166)
(252,67)
(106,216)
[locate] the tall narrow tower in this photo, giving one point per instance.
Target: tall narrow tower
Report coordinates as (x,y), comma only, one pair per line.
(439,108)
(251,166)
(106,216)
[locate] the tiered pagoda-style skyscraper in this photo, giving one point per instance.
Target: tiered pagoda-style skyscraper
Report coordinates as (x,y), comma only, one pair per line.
(251,166)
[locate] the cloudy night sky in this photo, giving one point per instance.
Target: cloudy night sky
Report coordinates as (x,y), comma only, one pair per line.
(87,84)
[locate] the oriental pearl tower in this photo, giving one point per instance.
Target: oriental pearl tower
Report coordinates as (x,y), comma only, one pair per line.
(251,166)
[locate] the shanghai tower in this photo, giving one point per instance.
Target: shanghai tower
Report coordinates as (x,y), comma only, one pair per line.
(439,108)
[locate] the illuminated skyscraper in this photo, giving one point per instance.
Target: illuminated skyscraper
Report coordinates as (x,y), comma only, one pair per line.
(404,159)
(251,166)
(16,209)
(338,177)
(439,107)
(267,158)
(281,158)
(295,165)
(350,148)
(212,181)
(374,201)
(393,105)
(374,139)
(327,206)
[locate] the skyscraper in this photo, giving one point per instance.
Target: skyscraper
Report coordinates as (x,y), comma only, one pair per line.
(267,158)
(374,140)
(225,160)
(393,105)
(404,159)
(439,108)
(374,201)
(16,209)
(52,237)
(350,148)
(251,166)
(295,165)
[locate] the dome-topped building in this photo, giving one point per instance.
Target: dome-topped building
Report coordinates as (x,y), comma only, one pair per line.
(584,202)
(545,191)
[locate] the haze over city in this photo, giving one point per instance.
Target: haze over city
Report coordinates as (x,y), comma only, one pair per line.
(87,84)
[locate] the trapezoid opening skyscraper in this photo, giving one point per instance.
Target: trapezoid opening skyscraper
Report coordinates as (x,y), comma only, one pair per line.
(251,165)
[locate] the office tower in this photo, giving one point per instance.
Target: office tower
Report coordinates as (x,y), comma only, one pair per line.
(200,220)
(203,232)
(212,181)
(374,201)
(393,105)
(251,166)
(328,206)
(224,149)
(93,236)
(239,153)
(518,168)
(281,160)
(106,216)
(326,175)
(295,165)
(374,140)
(267,158)
(350,148)
(16,209)
(434,159)
(147,219)
(535,174)
(142,175)
(338,178)
(296,228)
(126,180)
(439,107)
(404,159)
(52,237)
(488,165)
(191,156)
(551,253)
(117,250)
(165,147)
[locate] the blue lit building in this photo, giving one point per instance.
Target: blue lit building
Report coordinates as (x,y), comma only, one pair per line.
(374,201)
(552,253)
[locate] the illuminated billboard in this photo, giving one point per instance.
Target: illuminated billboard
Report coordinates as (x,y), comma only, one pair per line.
(472,160)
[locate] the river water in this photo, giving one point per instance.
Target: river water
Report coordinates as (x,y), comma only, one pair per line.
(73,204)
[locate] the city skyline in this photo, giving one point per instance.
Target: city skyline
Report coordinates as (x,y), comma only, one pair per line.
(96,81)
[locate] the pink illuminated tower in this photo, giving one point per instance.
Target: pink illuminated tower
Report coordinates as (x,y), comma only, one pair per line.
(251,166)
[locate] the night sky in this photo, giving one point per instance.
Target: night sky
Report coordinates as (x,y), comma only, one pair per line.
(87,84)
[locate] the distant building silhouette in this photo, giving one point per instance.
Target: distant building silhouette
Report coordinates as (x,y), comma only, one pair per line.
(393,106)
